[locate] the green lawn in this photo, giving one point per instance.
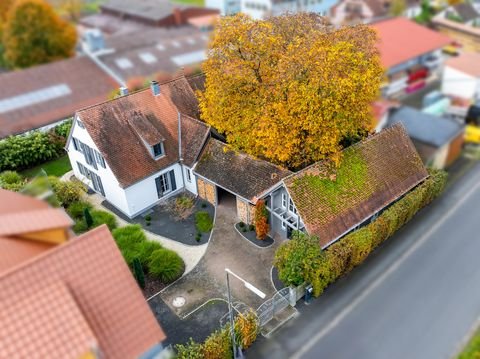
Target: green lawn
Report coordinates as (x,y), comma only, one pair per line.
(472,350)
(57,167)
(200,3)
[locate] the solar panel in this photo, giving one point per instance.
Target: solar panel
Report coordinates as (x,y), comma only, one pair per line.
(189,58)
(34,97)
(161,47)
(147,57)
(124,63)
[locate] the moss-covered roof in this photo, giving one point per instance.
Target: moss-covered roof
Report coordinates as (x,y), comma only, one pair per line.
(372,174)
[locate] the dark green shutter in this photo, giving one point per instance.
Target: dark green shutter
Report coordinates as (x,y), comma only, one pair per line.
(159,187)
(172,180)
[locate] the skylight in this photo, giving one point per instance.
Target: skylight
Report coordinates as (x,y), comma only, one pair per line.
(124,63)
(191,41)
(189,58)
(34,97)
(147,57)
(161,47)
(176,44)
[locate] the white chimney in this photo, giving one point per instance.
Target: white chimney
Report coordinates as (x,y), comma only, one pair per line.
(123,91)
(155,87)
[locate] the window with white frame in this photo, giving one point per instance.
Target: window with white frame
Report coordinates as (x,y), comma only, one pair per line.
(291,207)
(284,200)
(80,124)
(284,225)
(158,150)
(165,183)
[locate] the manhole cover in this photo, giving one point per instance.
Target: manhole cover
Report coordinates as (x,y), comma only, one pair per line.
(178,302)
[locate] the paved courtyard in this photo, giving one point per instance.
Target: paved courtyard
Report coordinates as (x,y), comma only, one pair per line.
(228,249)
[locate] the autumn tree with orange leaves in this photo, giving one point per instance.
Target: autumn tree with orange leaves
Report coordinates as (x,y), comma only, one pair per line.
(290,89)
(34,34)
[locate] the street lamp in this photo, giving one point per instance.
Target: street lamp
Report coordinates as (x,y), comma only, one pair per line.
(251,288)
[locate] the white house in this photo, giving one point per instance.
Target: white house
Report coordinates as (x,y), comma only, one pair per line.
(260,9)
(226,7)
(138,149)
(461,76)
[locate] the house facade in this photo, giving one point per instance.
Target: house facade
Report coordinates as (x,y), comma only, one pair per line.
(260,9)
(461,76)
(138,149)
(410,53)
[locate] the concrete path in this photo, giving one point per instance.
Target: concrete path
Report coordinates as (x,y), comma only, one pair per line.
(417,296)
(226,248)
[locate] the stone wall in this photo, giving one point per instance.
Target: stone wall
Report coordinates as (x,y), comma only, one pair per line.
(245,211)
(207,191)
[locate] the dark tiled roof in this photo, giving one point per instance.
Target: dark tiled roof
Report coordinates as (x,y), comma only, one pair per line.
(237,172)
(197,82)
(431,130)
(376,171)
(109,126)
(466,11)
(83,84)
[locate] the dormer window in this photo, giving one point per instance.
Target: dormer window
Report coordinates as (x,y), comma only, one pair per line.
(158,150)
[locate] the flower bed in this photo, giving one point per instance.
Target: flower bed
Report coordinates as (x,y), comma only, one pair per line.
(248,232)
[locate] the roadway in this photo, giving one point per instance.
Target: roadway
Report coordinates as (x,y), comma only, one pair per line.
(416,296)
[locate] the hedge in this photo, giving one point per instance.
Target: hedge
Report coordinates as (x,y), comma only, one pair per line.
(27,150)
(218,345)
(301,259)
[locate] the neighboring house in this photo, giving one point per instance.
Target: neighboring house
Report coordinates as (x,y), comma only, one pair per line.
(461,76)
(260,9)
(149,52)
(354,11)
(462,23)
(438,140)
(40,97)
(138,149)
(226,7)
(300,201)
(63,296)
(410,53)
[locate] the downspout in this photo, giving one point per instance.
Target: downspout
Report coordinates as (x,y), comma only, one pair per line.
(180,159)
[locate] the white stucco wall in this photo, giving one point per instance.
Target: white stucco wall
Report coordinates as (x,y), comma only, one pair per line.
(457,83)
(440,158)
(113,192)
(226,7)
(192,185)
(143,194)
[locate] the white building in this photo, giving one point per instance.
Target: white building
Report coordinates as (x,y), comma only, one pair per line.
(461,76)
(139,149)
(260,9)
(226,7)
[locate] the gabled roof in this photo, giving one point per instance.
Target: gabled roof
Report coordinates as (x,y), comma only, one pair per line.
(120,126)
(428,129)
(77,296)
(401,40)
(237,172)
(467,62)
(373,173)
(45,94)
(466,11)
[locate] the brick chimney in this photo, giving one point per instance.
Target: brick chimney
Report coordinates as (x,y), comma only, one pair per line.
(177,16)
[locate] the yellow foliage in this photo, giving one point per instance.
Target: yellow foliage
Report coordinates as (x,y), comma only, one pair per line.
(289,89)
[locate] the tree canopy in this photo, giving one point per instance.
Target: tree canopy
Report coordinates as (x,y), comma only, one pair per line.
(289,89)
(34,34)
(397,7)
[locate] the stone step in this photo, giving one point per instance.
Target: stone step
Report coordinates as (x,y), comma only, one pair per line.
(278,320)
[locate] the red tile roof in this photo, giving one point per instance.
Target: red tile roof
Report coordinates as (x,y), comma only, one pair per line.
(110,126)
(74,296)
(86,81)
(401,39)
(36,220)
(379,170)
(467,62)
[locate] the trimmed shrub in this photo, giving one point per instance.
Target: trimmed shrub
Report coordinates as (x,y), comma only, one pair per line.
(166,264)
(12,181)
(63,129)
(76,209)
(138,272)
(251,227)
(103,217)
(301,258)
(203,221)
(191,350)
(241,224)
(145,249)
(67,192)
(218,345)
(80,227)
(88,217)
(127,237)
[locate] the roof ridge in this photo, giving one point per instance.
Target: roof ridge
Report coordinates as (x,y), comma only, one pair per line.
(130,94)
(56,249)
